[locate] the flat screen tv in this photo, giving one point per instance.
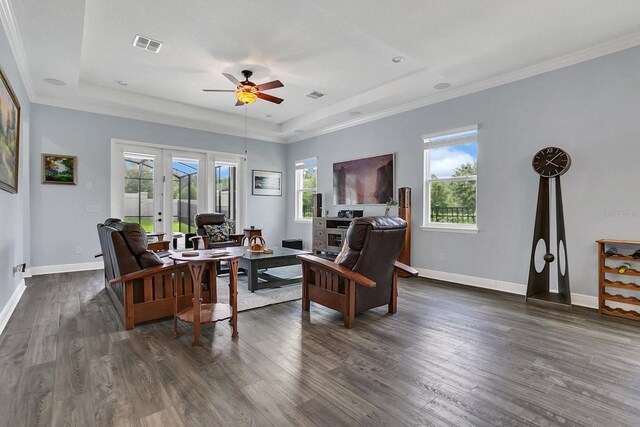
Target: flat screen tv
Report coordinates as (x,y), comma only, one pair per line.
(368,181)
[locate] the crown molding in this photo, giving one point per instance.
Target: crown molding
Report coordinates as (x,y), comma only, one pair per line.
(17,48)
(456,92)
(147,116)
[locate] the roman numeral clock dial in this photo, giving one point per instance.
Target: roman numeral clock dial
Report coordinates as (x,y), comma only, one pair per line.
(550,163)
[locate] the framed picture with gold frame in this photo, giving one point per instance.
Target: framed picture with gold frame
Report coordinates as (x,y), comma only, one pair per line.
(9,136)
(58,169)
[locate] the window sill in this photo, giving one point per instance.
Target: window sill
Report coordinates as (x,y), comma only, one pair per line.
(302,221)
(451,228)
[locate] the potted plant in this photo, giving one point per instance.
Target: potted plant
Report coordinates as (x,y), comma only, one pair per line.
(391,202)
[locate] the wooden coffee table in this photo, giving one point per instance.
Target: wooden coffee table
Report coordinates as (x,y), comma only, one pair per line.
(251,263)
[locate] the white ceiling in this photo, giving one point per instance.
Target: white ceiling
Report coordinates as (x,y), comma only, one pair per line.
(341,48)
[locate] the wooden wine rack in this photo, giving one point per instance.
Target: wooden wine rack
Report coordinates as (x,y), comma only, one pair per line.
(606,286)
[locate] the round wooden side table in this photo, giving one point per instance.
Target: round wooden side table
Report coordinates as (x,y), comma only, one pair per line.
(201,313)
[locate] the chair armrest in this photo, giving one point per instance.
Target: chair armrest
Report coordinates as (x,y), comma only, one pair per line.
(338,269)
(196,242)
(142,273)
(406,268)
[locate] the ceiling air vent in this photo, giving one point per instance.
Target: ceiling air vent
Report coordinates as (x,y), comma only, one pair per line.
(315,94)
(147,44)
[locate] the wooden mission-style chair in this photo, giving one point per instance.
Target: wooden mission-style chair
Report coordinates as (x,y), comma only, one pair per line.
(139,283)
(364,275)
(214,231)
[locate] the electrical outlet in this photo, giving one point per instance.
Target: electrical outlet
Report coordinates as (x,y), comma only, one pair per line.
(443,257)
(20,268)
(78,250)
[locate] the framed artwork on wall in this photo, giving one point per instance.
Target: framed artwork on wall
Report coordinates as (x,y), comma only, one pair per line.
(9,136)
(368,181)
(266,183)
(59,169)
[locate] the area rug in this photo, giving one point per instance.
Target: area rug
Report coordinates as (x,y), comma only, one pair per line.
(250,300)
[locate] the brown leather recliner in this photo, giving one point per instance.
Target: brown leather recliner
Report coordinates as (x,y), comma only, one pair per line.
(364,275)
(139,283)
(201,234)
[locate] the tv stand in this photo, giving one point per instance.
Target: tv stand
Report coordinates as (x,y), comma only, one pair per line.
(328,235)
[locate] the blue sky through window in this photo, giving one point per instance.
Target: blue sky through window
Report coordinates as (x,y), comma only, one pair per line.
(444,160)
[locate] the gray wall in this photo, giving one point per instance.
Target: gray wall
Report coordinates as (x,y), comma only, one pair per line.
(14,208)
(59,220)
(592,110)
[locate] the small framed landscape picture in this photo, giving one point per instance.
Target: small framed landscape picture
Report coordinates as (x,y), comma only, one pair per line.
(57,169)
(266,183)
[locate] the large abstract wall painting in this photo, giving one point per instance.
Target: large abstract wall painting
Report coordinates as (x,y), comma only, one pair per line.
(367,181)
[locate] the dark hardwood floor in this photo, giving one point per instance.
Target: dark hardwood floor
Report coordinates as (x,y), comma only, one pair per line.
(452,355)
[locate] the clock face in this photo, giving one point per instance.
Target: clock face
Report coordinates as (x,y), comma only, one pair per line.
(551,161)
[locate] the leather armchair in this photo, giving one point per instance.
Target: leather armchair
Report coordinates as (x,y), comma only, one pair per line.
(139,283)
(364,275)
(216,218)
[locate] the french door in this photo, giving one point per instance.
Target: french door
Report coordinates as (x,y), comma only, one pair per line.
(162,189)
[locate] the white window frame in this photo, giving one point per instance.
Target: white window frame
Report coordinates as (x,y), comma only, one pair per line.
(435,140)
(299,166)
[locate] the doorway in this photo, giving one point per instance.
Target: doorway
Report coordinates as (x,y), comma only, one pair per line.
(162,189)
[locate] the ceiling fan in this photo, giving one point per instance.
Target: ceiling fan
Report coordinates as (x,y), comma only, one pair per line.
(247,92)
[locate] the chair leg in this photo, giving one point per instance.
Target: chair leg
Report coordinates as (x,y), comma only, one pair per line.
(393,303)
(128,306)
(350,306)
(306,305)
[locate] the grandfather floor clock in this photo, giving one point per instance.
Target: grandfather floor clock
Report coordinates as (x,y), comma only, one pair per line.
(550,163)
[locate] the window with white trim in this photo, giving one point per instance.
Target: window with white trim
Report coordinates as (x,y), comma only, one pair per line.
(306,185)
(450,179)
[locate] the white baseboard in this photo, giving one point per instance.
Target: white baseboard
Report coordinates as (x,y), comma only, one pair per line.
(65,268)
(7,311)
(512,288)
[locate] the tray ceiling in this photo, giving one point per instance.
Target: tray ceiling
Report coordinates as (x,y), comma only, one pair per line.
(342,49)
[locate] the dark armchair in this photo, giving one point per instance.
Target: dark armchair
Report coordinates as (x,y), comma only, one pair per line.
(222,228)
(139,283)
(364,275)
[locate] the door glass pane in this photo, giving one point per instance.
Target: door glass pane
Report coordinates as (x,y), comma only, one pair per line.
(185,194)
(225,197)
(138,190)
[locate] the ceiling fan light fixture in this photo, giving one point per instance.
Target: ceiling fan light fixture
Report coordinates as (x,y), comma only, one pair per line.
(246,97)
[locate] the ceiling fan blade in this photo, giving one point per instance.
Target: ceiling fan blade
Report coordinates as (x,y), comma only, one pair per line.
(217,90)
(270,98)
(271,85)
(239,103)
(233,79)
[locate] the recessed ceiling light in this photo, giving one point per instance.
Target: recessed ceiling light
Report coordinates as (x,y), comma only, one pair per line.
(441,86)
(397,59)
(269,115)
(298,131)
(55,82)
(121,82)
(355,113)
